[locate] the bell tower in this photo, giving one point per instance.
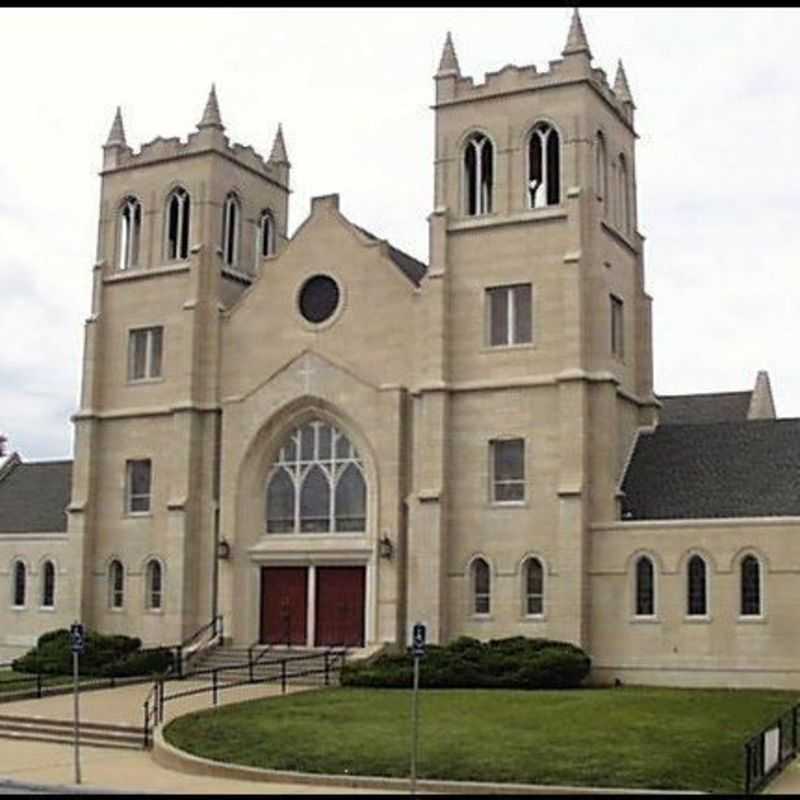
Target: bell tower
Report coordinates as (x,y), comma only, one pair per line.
(538,323)
(185,228)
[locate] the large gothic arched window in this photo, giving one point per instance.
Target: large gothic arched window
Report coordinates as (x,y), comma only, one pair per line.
(316,483)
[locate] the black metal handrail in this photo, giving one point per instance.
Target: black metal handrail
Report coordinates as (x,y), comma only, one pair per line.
(770,750)
(333,660)
(251,662)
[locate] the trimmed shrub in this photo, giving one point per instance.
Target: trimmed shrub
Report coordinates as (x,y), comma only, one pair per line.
(102,655)
(513,663)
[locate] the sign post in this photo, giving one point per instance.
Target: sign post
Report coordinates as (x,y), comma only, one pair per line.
(418,650)
(77,643)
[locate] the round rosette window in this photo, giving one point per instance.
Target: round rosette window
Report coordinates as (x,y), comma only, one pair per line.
(319,298)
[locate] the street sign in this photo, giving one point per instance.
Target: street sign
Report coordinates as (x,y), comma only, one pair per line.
(418,640)
(77,639)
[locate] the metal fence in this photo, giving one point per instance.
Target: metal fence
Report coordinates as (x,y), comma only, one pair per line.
(770,750)
(153,709)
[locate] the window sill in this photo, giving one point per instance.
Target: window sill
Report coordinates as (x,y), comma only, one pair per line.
(47,609)
(482,617)
(544,214)
(534,618)
(697,619)
(119,276)
(645,620)
(137,381)
(754,619)
(621,237)
(508,504)
(504,348)
(19,608)
(117,610)
(156,612)
(137,514)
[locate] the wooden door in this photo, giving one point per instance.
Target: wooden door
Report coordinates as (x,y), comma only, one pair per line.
(284,605)
(340,606)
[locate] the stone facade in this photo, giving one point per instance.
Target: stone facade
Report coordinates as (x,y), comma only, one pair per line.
(405,369)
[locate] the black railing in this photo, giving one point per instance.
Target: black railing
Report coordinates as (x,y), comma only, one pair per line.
(770,750)
(252,662)
(332,662)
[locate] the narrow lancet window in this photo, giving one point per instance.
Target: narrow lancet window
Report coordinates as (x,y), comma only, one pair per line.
(534,587)
(266,234)
(48,585)
(20,581)
(750,587)
(481,587)
(178,215)
(645,588)
(116,585)
(130,228)
(544,166)
(230,230)
(478,174)
(600,170)
(154,585)
(624,203)
(697,594)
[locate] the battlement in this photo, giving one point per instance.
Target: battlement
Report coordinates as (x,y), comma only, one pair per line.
(209,136)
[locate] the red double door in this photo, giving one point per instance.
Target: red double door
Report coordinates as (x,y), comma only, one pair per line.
(339,606)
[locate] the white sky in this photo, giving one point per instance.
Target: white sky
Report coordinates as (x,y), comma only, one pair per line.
(717,163)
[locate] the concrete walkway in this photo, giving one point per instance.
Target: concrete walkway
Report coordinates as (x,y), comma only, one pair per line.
(788,782)
(129,770)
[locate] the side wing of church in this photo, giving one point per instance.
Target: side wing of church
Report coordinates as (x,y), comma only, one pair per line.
(326,440)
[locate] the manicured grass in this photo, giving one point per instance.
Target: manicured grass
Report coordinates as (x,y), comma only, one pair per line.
(627,737)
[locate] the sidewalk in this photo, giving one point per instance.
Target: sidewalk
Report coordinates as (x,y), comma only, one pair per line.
(129,770)
(788,782)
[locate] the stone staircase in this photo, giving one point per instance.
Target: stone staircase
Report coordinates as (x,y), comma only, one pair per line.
(303,665)
(60,731)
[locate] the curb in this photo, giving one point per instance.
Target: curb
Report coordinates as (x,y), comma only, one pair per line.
(170,757)
(58,788)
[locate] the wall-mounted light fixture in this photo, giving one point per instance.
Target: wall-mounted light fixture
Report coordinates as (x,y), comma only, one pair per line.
(223,549)
(385,547)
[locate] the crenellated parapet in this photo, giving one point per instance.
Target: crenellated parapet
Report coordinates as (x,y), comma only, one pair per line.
(452,87)
(208,136)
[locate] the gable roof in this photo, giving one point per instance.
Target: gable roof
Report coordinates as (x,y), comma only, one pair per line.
(413,269)
(725,469)
(33,497)
(686,409)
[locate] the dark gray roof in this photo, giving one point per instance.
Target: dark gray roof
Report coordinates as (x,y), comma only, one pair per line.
(33,497)
(686,409)
(414,270)
(724,469)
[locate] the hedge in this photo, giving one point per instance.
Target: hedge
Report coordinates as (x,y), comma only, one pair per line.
(514,663)
(102,656)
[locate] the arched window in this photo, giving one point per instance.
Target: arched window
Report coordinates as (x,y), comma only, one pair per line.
(20,580)
(697,602)
(266,234)
(231,215)
(153,578)
(544,166)
(48,585)
(534,587)
(750,587)
(645,588)
(478,174)
(116,585)
(600,169)
(481,587)
(178,216)
(316,483)
(130,229)
(624,203)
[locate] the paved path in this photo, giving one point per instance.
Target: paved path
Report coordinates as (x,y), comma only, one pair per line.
(128,770)
(788,782)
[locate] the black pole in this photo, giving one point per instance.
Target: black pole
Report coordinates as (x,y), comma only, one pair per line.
(283,676)
(214,685)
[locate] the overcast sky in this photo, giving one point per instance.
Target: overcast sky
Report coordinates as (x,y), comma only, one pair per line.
(718,113)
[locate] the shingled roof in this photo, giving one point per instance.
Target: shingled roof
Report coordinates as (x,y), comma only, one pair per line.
(33,497)
(413,269)
(723,469)
(686,409)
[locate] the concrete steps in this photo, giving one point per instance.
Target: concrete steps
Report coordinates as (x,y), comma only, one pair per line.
(60,731)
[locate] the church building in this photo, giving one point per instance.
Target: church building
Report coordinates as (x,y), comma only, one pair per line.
(325,440)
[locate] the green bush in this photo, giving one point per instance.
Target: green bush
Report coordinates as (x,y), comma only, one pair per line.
(102,654)
(513,663)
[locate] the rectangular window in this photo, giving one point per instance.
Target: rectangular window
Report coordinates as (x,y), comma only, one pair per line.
(510,317)
(138,487)
(144,353)
(508,470)
(617,328)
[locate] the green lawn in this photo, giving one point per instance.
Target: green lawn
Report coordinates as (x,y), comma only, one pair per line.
(627,737)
